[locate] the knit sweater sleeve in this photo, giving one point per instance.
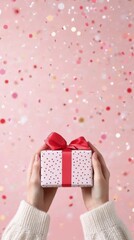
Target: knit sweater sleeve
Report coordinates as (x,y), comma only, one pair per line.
(28,223)
(102,223)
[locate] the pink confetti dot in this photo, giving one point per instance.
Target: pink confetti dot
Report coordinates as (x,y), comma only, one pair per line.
(5,26)
(125,173)
(87,24)
(108,108)
(94,1)
(2,120)
(129,90)
(103,136)
(14,95)
(2,71)
(81,7)
(30,35)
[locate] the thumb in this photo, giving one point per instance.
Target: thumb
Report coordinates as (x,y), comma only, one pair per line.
(97,166)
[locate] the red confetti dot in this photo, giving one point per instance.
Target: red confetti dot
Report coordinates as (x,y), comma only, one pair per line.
(105,7)
(35,66)
(70,197)
(16,11)
(6,81)
(30,35)
(81,7)
(4,196)
(2,120)
(129,25)
(125,173)
(108,108)
(71,204)
(92,21)
(67,89)
(87,24)
(5,26)
(129,90)
(14,95)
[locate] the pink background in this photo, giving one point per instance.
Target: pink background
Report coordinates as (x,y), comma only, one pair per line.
(66,66)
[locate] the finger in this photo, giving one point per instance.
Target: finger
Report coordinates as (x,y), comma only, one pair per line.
(97,167)
(102,161)
(43,147)
(35,175)
(29,171)
(86,191)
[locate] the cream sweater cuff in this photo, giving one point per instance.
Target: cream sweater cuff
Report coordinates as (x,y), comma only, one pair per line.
(31,218)
(100,218)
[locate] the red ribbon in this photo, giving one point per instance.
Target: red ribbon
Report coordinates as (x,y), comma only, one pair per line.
(55,141)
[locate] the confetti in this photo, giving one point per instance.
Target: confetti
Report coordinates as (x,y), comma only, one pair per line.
(67,67)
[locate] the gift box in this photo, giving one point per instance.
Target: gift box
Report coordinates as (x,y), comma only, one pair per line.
(65,165)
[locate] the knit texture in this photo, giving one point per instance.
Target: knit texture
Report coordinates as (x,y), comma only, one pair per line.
(28,223)
(102,223)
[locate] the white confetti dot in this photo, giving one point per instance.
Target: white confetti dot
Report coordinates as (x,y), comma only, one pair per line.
(97,37)
(53,34)
(78,33)
(118,135)
(61,6)
(104,17)
(64,27)
(69,215)
(23,120)
(73,29)
(2,106)
(133,210)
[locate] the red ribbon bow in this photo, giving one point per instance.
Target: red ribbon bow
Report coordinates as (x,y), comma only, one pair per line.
(55,141)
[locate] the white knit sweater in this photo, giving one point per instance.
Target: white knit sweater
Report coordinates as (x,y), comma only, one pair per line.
(101,223)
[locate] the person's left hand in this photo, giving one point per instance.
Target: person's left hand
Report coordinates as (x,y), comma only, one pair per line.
(37,196)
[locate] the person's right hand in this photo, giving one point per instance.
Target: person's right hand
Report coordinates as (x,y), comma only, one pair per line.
(98,194)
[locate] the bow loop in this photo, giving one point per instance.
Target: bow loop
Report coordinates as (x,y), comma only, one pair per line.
(55,141)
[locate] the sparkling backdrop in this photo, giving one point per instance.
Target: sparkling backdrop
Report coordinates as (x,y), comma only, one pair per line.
(66,66)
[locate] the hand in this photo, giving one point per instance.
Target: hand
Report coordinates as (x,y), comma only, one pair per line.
(38,196)
(98,194)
